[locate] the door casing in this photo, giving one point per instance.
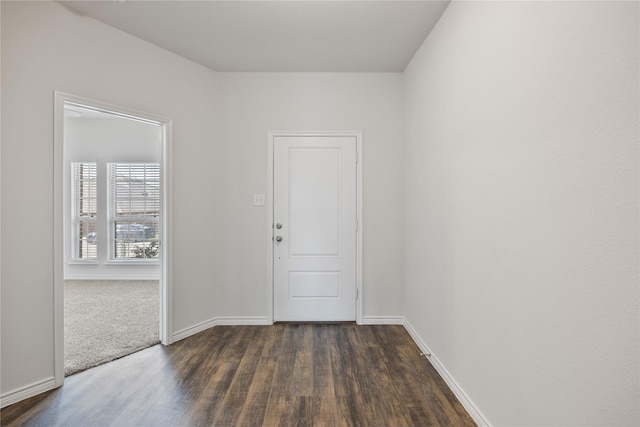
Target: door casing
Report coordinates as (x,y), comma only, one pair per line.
(270,225)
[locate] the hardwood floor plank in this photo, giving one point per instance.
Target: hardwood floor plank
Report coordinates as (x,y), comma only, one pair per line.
(323,385)
(280,375)
(285,363)
(254,409)
(330,412)
(279,411)
(238,390)
(345,361)
(272,340)
(302,384)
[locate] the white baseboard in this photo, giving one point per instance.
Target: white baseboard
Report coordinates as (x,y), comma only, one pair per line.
(27,391)
(258,321)
(464,399)
(192,330)
(382,320)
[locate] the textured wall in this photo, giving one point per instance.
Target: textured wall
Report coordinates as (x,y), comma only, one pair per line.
(521,235)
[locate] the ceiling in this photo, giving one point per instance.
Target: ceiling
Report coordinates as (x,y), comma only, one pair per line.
(292,35)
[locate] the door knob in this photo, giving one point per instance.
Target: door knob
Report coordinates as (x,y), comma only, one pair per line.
(278,226)
(278,238)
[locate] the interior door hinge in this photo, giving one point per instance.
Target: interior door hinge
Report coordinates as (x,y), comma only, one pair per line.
(357,225)
(357,294)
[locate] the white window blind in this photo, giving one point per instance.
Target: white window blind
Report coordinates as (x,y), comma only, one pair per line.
(84,211)
(134,210)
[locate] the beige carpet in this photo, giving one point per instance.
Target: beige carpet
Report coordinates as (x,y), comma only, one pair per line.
(106,319)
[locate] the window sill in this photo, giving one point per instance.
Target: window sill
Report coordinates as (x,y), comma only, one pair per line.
(81,262)
(120,263)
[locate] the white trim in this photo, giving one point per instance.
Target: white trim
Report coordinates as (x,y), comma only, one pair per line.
(83,262)
(192,330)
(382,320)
(165,312)
(359,232)
(464,399)
(116,278)
(27,391)
(220,321)
(149,262)
(249,320)
(166,234)
(269,205)
(58,239)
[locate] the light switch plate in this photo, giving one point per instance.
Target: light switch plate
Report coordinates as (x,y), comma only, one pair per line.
(258,200)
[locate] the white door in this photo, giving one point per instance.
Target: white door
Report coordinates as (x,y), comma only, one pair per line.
(314,212)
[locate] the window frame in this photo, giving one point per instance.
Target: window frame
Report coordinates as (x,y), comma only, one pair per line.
(114,218)
(77,217)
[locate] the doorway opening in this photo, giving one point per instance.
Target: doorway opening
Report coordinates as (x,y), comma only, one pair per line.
(111,206)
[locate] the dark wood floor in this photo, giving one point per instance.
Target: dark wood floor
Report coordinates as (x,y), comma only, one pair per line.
(280,375)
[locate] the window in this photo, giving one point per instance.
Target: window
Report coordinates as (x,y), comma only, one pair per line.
(84,210)
(134,210)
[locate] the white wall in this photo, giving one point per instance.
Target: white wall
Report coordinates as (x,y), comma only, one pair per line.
(255,103)
(45,48)
(521,215)
(109,138)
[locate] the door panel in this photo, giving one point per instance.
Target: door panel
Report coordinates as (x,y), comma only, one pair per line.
(315,246)
(314,284)
(314,202)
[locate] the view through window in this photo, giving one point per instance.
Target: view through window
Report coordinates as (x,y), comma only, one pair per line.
(84,212)
(133,211)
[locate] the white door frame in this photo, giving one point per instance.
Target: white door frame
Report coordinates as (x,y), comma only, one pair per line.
(269,205)
(165,231)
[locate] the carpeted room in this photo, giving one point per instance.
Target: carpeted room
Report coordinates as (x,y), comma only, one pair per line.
(107,319)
